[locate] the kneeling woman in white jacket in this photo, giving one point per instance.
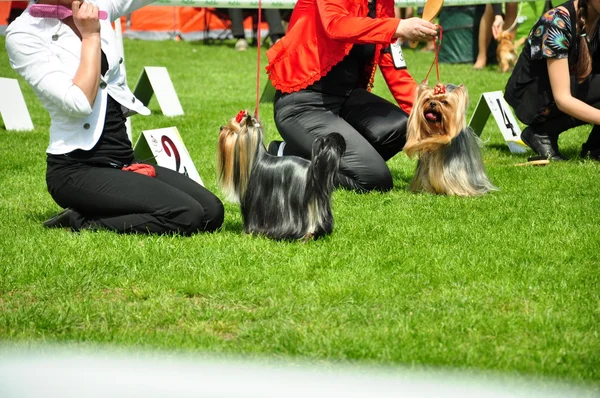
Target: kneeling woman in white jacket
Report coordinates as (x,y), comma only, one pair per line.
(74,68)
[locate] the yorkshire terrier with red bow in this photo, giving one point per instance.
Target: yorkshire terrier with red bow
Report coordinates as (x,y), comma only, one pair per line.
(280,197)
(450,160)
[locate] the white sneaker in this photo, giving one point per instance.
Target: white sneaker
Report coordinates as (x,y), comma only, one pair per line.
(241,45)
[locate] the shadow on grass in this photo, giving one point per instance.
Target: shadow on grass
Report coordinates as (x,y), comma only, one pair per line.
(571,152)
(500,148)
(41,216)
(232,226)
(401,179)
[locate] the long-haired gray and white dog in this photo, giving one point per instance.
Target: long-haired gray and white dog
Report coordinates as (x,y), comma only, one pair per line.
(450,160)
(280,197)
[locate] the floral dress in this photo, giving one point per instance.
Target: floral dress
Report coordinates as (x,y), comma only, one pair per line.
(528,88)
(551,37)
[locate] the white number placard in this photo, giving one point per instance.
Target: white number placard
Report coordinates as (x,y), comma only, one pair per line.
(493,103)
(165,148)
(156,80)
(13,108)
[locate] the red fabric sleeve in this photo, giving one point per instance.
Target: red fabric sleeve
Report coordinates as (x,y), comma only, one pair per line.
(340,23)
(401,84)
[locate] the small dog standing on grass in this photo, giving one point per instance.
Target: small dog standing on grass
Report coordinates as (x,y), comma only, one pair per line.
(280,197)
(506,51)
(450,160)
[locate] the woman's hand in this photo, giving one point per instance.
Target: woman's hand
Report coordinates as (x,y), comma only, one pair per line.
(415,29)
(85,17)
(497,26)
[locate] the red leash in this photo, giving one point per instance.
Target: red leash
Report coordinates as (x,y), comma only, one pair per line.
(437,44)
(258,59)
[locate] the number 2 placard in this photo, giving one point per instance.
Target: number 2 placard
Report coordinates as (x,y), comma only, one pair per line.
(165,148)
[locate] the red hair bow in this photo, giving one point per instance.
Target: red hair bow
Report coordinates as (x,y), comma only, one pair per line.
(439,89)
(240,116)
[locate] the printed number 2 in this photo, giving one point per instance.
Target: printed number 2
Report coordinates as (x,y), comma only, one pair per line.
(164,140)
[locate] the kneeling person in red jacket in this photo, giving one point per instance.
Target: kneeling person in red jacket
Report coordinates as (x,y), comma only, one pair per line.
(323,70)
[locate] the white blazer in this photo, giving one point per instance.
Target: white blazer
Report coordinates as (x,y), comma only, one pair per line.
(46,53)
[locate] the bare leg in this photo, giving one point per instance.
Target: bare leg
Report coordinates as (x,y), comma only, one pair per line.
(485,36)
(511,11)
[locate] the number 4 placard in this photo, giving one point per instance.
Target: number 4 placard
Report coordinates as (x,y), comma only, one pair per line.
(494,103)
(165,148)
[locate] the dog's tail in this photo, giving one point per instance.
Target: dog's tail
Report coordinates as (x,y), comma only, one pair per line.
(326,156)
(520,42)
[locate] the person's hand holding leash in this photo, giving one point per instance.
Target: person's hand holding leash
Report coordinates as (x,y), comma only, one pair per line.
(497,26)
(415,29)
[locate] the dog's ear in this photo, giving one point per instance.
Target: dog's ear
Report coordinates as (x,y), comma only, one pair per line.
(423,87)
(461,89)
(248,120)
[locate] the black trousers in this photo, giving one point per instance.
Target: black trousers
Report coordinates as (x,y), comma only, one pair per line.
(374,130)
(557,122)
(272,15)
(124,201)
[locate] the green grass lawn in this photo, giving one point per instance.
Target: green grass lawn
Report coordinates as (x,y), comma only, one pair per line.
(506,283)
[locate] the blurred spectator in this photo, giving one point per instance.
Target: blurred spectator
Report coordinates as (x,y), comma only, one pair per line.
(404,13)
(323,69)
(493,22)
(272,16)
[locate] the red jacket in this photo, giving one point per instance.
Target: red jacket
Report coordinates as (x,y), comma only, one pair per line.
(322,32)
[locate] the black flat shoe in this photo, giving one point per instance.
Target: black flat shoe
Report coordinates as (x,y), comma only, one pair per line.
(61,220)
(587,152)
(543,145)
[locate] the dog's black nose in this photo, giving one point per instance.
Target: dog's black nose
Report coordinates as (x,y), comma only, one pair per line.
(432,104)
(221,128)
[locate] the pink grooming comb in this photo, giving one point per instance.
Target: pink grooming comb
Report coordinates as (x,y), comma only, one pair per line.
(56,11)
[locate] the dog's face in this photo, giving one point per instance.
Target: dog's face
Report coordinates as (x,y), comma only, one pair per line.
(506,46)
(237,126)
(236,151)
(228,135)
(437,117)
(225,159)
(450,159)
(440,111)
